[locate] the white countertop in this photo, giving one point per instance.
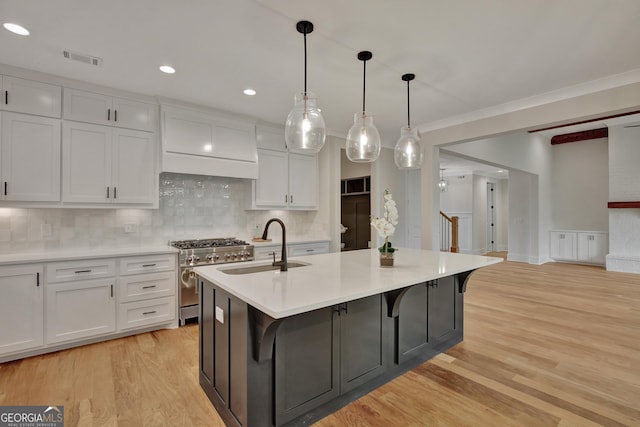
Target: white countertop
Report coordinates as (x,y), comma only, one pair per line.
(336,278)
(83,253)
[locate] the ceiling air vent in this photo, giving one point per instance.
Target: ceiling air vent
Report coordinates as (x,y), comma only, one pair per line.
(87,59)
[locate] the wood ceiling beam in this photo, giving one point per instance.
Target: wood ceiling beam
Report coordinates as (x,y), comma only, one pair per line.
(580,136)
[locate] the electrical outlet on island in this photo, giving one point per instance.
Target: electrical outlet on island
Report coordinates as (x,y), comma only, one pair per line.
(130,228)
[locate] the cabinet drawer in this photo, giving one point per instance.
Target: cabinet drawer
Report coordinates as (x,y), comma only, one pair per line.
(147,264)
(266,252)
(309,249)
(80,270)
(142,313)
(145,286)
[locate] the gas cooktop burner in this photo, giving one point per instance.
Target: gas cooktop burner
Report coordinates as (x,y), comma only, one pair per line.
(208,243)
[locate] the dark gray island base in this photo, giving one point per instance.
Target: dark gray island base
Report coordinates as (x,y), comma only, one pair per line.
(260,371)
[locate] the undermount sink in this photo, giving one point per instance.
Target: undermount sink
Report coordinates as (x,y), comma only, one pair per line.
(260,268)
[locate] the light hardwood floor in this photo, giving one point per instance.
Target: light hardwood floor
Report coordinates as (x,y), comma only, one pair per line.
(551,345)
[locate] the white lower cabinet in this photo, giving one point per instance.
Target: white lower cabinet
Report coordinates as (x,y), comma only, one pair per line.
(54,305)
(81,309)
(146,312)
(147,293)
(21,308)
(589,247)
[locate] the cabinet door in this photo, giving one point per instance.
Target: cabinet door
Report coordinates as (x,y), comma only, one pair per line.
(306,363)
(361,341)
(271,185)
(303,181)
(80,310)
(21,308)
(563,245)
(134,114)
(133,176)
(443,319)
(30,158)
(593,247)
(412,324)
(28,96)
(88,107)
(86,162)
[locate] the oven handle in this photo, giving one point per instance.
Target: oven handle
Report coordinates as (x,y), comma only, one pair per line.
(188,278)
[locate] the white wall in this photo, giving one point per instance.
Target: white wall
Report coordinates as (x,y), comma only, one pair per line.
(580,188)
(624,186)
(385,175)
(479,239)
(349,169)
(502,214)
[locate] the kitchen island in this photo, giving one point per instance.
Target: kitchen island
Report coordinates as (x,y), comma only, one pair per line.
(287,348)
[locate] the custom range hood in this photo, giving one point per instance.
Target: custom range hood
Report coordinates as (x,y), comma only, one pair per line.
(200,141)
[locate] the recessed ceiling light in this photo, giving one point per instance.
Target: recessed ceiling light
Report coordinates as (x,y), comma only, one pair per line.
(500,171)
(249,92)
(16,29)
(167,69)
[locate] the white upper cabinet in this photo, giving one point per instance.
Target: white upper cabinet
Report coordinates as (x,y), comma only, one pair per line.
(303,181)
(106,110)
(285,180)
(133,176)
(31,97)
(30,158)
(107,165)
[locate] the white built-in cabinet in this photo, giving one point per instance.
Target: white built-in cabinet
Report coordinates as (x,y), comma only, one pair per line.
(593,247)
(89,107)
(30,158)
(31,97)
(590,247)
(21,308)
(52,305)
(107,165)
(285,180)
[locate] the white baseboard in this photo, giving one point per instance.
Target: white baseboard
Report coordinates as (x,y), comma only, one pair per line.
(518,257)
(623,264)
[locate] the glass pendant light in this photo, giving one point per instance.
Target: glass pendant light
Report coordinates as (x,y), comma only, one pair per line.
(305,129)
(408,152)
(363,139)
(442,184)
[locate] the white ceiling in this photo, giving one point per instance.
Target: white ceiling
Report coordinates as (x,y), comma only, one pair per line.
(467,54)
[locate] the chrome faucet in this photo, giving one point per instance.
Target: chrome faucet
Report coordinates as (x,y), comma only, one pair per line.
(283,258)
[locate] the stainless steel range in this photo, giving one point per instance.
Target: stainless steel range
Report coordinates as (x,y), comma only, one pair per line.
(204,252)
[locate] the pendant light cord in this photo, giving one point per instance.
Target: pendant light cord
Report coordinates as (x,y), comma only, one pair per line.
(408,109)
(305,64)
(364,85)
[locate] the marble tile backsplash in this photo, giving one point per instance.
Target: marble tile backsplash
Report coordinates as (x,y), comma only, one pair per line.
(190,207)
